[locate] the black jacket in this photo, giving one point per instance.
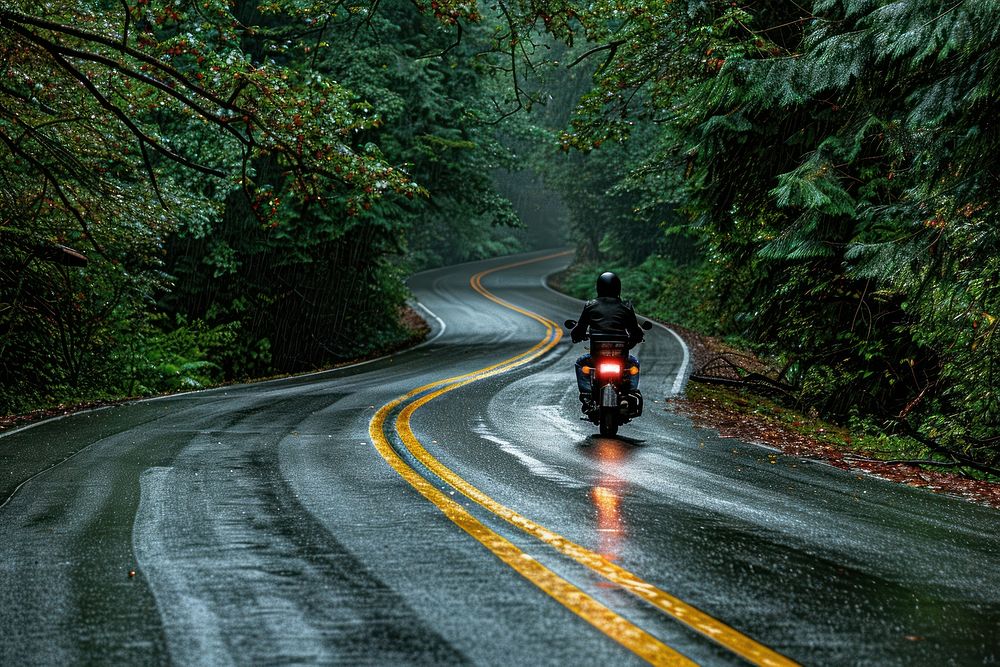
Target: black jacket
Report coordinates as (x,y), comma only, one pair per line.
(608,315)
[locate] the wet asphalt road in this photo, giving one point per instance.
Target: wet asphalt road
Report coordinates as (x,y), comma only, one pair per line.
(264,527)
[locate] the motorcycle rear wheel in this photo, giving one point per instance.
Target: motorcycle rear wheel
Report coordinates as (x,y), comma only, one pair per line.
(609,422)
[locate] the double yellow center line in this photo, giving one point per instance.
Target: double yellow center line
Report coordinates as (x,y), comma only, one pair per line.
(610,623)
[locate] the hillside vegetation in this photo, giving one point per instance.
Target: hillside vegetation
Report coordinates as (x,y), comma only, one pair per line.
(818,180)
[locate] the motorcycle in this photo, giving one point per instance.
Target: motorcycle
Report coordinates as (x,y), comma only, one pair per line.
(613,405)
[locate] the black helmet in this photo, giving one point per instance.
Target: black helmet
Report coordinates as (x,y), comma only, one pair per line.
(608,284)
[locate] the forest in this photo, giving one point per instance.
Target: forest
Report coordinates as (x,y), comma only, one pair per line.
(200,191)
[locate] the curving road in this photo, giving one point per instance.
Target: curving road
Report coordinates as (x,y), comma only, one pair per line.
(446,505)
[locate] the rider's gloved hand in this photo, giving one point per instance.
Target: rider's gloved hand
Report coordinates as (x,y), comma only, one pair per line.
(578,337)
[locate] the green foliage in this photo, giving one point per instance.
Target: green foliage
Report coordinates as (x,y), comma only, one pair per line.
(243,178)
(435,94)
(837,162)
(59,327)
(170,356)
(658,288)
(319,283)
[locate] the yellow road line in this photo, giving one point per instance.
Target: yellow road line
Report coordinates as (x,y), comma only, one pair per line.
(476,282)
(694,618)
(618,628)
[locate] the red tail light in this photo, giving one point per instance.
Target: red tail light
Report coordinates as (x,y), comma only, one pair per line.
(610,368)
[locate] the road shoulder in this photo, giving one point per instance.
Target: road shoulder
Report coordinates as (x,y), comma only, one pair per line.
(743,415)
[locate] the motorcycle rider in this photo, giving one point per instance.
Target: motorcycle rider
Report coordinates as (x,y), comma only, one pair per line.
(607,314)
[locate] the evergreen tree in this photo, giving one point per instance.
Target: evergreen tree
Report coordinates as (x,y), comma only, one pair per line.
(838,164)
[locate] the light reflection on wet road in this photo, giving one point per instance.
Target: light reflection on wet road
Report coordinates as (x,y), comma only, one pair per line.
(607,496)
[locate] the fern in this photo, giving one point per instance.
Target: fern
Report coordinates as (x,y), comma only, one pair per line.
(814,185)
(888,262)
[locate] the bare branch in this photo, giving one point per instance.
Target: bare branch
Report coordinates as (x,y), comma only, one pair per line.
(368,18)
(458,40)
(152,175)
(612,46)
(128,20)
(319,40)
